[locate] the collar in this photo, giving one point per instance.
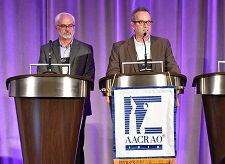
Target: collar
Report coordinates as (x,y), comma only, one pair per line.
(141,43)
(70,45)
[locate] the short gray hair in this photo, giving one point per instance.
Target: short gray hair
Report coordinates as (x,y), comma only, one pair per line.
(63,14)
(137,10)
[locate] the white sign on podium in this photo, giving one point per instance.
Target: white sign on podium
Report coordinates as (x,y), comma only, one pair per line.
(144,125)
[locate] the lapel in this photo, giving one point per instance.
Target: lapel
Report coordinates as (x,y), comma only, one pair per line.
(153,50)
(56,55)
(132,53)
(74,51)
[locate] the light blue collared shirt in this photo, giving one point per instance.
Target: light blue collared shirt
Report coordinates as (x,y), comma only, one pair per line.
(65,52)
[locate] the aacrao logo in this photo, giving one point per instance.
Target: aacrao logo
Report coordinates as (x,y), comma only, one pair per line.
(142,126)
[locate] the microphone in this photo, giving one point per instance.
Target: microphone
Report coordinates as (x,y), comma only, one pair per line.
(49,71)
(145,50)
(146,65)
(50,57)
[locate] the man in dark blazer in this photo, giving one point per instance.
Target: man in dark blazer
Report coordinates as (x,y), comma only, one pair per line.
(132,50)
(66,49)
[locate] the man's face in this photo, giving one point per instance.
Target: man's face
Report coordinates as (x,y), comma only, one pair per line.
(65,27)
(142,24)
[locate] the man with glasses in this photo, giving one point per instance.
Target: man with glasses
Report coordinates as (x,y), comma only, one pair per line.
(141,46)
(68,50)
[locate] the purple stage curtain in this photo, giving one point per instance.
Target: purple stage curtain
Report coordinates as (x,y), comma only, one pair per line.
(194,27)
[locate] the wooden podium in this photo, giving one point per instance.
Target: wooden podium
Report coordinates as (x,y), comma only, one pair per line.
(49,111)
(212,88)
(142,79)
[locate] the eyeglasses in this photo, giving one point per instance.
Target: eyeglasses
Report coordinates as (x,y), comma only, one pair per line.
(142,23)
(63,26)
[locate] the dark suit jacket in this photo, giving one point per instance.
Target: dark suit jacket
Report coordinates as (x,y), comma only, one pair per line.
(124,51)
(81,62)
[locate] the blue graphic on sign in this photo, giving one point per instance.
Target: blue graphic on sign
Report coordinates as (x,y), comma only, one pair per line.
(135,109)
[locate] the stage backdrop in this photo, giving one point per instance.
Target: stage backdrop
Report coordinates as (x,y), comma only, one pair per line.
(194,27)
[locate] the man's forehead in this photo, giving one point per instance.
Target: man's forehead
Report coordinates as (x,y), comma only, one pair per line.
(66,18)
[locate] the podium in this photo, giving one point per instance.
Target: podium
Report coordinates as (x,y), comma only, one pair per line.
(49,111)
(137,105)
(212,88)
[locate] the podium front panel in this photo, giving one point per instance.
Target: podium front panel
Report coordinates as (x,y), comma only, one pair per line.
(49,129)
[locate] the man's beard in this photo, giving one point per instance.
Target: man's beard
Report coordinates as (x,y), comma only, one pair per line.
(66,36)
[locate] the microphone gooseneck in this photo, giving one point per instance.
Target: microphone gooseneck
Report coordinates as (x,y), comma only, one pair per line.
(49,56)
(49,67)
(145,50)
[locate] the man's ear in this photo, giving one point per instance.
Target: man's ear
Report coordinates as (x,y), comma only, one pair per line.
(132,25)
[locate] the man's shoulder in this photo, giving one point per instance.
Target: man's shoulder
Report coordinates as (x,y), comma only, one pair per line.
(80,43)
(123,42)
(159,39)
(55,42)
